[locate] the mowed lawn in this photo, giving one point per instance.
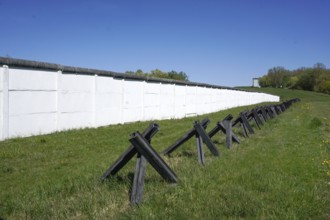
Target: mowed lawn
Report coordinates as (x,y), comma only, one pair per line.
(280,172)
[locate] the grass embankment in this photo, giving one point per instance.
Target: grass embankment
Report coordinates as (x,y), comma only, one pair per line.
(281,172)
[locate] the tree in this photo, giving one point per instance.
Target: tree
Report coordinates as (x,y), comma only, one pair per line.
(322,83)
(130,72)
(306,80)
(275,76)
(292,82)
(158,74)
(319,66)
(264,81)
(178,76)
(139,72)
(311,79)
(182,76)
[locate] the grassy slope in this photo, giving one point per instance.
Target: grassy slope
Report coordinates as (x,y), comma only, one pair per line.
(280,172)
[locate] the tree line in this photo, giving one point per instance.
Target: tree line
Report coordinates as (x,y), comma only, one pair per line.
(182,76)
(315,79)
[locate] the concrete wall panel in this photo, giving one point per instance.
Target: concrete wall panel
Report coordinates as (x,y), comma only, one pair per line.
(179,101)
(131,115)
(75,120)
(106,84)
(23,79)
(75,102)
(152,88)
(1,115)
(151,100)
(108,116)
(76,83)
(39,102)
(108,101)
(2,70)
(151,113)
(167,106)
(167,100)
(32,124)
(133,100)
(133,94)
(31,102)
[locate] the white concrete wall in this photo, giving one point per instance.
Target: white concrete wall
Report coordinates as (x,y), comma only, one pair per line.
(38,101)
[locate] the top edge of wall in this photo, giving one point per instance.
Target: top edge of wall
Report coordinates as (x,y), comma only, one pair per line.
(20,63)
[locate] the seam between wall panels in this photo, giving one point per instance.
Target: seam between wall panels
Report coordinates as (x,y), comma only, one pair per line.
(2,73)
(5,103)
(6,100)
(185,101)
(159,115)
(94,100)
(122,119)
(142,106)
(58,99)
(173,101)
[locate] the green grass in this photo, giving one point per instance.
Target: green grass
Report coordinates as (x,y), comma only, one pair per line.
(281,172)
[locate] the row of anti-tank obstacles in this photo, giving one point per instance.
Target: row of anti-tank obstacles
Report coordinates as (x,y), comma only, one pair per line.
(140,144)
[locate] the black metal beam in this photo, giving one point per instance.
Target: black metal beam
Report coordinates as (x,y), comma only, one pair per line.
(246,124)
(145,149)
(226,127)
(206,139)
(130,152)
(200,150)
(185,138)
(138,180)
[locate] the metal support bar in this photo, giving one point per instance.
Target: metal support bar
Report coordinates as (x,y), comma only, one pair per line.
(288,103)
(278,109)
(239,120)
(234,136)
(246,127)
(257,117)
(130,152)
(269,112)
(254,115)
(200,150)
(220,126)
(216,129)
(273,110)
(207,140)
(245,133)
(185,138)
(138,180)
(229,134)
(246,123)
(226,127)
(264,113)
(259,112)
(261,117)
(145,149)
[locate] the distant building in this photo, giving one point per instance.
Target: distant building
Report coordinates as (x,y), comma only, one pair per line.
(255,82)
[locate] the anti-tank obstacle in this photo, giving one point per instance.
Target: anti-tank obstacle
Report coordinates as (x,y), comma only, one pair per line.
(145,153)
(201,136)
(140,146)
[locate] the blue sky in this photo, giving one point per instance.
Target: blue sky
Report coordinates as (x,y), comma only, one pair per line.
(224,42)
